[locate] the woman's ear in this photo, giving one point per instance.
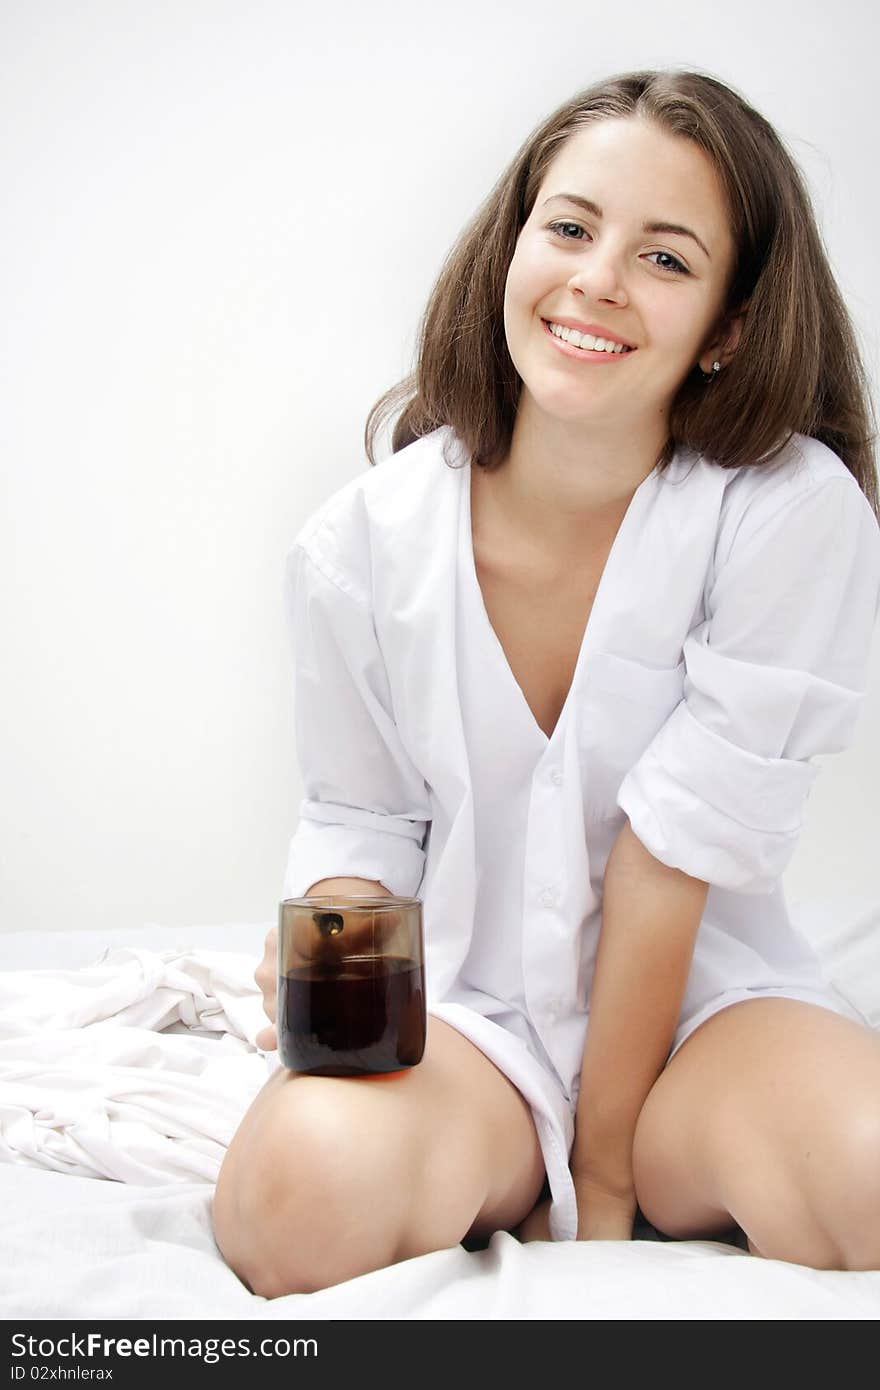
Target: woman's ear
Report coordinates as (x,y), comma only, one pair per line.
(727,340)
(735,329)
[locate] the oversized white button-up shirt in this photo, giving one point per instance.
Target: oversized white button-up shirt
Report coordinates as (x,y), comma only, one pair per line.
(727,646)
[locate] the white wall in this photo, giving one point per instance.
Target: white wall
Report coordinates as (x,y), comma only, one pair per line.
(221,224)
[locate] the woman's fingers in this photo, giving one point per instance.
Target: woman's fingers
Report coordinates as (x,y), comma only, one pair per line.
(266,1039)
(266,976)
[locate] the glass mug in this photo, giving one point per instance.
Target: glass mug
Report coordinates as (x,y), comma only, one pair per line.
(351,985)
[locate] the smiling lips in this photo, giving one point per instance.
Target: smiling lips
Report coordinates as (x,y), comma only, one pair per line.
(584,354)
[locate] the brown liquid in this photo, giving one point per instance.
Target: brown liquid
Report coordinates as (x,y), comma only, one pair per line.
(367,1017)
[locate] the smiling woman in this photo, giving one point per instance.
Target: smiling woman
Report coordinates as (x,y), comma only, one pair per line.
(581,442)
(719,233)
(563,667)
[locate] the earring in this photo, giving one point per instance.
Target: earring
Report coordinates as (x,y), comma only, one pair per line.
(710,376)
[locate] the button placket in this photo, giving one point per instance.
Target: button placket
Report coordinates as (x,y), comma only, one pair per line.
(544,885)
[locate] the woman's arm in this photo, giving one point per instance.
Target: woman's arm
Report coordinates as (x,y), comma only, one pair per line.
(650,917)
(348,887)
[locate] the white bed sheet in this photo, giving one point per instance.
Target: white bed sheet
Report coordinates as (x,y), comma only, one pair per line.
(78,1247)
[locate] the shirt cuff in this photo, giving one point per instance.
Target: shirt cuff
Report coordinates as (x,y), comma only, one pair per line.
(320,849)
(714,810)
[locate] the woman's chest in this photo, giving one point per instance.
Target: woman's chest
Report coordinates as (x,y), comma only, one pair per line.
(539,623)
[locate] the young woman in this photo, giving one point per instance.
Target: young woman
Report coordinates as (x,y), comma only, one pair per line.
(563,663)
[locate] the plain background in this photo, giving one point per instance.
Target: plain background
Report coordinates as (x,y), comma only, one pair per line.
(221,225)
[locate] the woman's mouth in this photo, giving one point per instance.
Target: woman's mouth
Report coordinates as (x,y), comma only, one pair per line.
(584,354)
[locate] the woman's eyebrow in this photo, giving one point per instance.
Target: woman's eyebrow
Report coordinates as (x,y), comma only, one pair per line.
(646,226)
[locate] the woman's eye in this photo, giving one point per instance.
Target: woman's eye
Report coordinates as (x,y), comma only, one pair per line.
(554,226)
(675,268)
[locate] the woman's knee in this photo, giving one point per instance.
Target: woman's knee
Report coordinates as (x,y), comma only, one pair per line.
(329,1177)
(315,1192)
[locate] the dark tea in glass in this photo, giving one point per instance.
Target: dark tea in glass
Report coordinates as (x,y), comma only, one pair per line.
(351,985)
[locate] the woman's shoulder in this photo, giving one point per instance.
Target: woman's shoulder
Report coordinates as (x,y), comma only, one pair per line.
(367,520)
(802,463)
(799,476)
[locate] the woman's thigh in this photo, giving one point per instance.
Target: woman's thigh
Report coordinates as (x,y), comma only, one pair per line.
(755,1120)
(437,1153)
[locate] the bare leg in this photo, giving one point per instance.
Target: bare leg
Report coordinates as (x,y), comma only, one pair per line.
(768,1116)
(328,1178)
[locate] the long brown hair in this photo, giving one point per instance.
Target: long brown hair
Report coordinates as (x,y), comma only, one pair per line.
(797,366)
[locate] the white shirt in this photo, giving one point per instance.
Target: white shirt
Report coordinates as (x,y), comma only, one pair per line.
(727,646)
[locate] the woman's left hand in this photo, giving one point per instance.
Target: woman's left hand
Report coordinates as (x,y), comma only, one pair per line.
(603,1214)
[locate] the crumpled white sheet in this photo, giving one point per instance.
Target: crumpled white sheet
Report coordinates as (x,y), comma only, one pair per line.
(138,1067)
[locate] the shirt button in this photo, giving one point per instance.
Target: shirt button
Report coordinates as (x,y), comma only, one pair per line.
(549,897)
(556,776)
(552,1009)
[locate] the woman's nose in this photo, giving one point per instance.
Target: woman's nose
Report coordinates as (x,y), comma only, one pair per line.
(599,274)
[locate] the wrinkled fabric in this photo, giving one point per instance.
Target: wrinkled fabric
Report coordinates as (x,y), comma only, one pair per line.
(137,1068)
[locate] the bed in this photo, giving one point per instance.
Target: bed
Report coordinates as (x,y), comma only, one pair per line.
(127,1060)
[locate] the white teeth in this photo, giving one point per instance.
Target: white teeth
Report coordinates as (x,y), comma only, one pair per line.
(586,340)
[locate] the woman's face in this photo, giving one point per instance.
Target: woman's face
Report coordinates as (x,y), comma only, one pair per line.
(659,290)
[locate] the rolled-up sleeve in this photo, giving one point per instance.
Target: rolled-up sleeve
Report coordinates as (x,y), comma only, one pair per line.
(775,675)
(366,808)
